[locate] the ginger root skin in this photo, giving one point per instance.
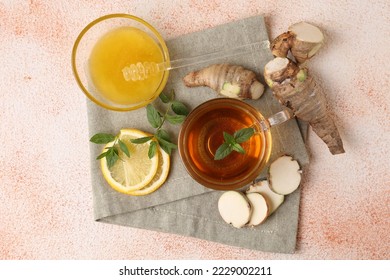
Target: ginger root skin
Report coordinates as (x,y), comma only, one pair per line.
(296,89)
(303,40)
(229,80)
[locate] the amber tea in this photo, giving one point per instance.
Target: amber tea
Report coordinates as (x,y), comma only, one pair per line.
(207,135)
(202,134)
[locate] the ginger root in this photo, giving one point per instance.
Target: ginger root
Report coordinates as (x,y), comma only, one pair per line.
(284,175)
(260,210)
(239,209)
(302,39)
(235,208)
(274,200)
(295,88)
(230,80)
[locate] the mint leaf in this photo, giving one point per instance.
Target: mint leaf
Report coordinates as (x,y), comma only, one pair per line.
(111,157)
(163,134)
(237,147)
(124,148)
(178,119)
(167,146)
(229,138)
(164,98)
(102,155)
(116,151)
(154,118)
(243,135)
(141,140)
(179,108)
(175,113)
(232,142)
(152,149)
(223,151)
(102,138)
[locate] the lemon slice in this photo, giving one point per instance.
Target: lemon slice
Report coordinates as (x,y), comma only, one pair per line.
(130,173)
(160,177)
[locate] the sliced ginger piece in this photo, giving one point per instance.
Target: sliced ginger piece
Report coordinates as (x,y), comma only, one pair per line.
(274,200)
(235,208)
(284,175)
(302,39)
(260,209)
(309,39)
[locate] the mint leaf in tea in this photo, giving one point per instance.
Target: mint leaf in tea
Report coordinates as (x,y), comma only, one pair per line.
(232,142)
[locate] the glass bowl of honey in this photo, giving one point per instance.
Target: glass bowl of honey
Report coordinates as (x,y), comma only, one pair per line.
(202,133)
(105,47)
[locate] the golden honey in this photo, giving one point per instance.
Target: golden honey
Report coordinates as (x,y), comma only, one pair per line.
(117,49)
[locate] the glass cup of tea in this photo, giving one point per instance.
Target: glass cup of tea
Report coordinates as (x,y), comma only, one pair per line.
(202,133)
(108,45)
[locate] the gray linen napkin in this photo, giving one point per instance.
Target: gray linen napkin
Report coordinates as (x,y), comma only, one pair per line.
(181,205)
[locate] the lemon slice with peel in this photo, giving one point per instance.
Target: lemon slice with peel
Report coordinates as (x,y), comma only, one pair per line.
(160,177)
(131,173)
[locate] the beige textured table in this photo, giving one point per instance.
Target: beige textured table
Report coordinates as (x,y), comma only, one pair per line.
(46,200)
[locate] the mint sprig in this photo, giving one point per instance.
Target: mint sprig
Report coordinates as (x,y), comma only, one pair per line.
(112,152)
(175,114)
(232,142)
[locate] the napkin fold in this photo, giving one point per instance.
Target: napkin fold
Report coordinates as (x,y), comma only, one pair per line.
(182,206)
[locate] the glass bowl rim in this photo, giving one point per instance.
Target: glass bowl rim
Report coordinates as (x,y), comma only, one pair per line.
(92,24)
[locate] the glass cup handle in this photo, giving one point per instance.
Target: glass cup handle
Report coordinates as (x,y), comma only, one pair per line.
(278,118)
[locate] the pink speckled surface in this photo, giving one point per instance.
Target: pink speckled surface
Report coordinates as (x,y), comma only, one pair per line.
(46,202)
